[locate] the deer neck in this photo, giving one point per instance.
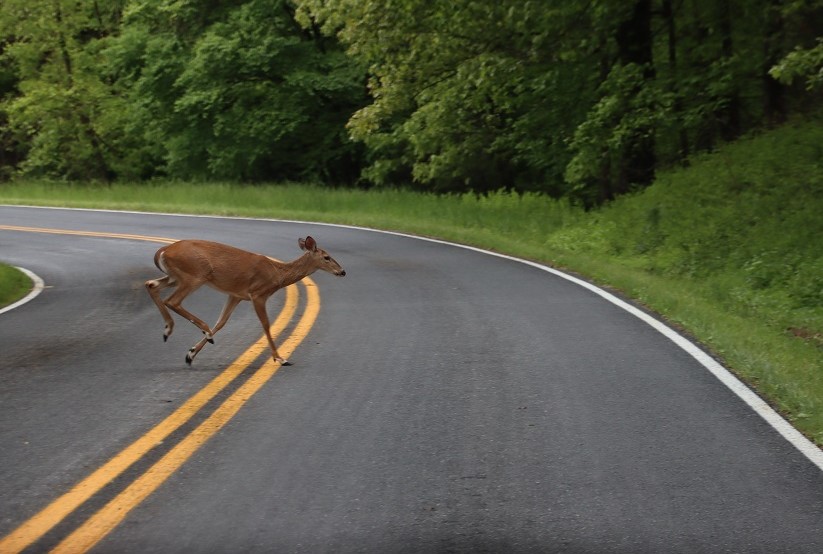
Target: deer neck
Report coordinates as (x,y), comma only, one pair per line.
(291,272)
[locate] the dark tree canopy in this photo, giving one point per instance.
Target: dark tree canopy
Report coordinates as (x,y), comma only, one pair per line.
(582,98)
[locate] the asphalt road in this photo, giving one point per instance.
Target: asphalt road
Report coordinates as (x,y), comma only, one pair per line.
(443,401)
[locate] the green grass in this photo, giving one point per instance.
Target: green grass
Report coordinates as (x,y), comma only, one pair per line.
(728,250)
(14,285)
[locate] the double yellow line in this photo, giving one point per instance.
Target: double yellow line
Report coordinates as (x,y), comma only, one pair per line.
(109,516)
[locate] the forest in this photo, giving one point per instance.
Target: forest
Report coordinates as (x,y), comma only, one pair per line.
(584,99)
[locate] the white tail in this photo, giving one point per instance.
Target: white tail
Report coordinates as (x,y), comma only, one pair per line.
(242,275)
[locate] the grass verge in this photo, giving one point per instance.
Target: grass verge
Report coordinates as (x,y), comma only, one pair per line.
(14,285)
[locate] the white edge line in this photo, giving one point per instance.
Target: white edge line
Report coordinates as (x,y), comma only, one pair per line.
(762,408)
(38,288)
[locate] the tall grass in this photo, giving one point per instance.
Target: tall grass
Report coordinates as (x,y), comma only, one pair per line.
(498,220)
(730,249)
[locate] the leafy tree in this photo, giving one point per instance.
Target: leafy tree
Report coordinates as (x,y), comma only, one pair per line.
(237,90)
(466,94)
(10,149)
(805,60)
(613,147)
(805,63)
(60,110)
(583,98)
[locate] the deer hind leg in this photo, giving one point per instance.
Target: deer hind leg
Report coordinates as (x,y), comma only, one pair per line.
(228,308)
(154,286)
(260,307)
(174,303)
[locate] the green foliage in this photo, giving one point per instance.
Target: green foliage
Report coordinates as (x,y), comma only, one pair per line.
(802,63)
(243,93)
(466,95)
(747,217)
(580,98)
(584,99)
(805,60)
(626,111)
(60,113)
(102,89)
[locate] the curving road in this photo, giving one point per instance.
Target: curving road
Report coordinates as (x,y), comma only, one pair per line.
(444,400)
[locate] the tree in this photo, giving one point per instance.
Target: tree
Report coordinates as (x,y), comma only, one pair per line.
(614,145)
(465,94)
(804,61)
(774,92)
(60,111)
(586,98)
(11,151)
(579,98)
(238,90)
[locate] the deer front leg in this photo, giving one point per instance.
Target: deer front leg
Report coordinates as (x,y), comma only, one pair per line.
(228,308)
(260,307)
(154,286)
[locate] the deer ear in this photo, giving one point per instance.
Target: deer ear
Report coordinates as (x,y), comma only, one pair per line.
(308,244)
(301,243)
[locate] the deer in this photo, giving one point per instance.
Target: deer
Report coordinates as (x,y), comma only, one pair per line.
(241,275)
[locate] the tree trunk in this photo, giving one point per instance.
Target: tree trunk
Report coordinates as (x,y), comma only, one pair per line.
(671,29)
(64,49)
(634,43)
(774,93)
(729,115)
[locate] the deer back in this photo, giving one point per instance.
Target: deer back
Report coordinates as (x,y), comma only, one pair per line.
(223,267)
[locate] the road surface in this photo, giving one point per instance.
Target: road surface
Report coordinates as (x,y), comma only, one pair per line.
(442,400)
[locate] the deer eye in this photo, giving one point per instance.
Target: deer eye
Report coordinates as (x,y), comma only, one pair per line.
(327,258)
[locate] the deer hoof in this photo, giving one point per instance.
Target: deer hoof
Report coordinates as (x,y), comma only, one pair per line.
(284,362)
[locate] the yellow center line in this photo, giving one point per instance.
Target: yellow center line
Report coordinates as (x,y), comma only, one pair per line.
(107,518)
(38,525)
(86,233)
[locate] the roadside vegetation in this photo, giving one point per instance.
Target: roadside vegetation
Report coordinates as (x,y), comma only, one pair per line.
(14,285)
(728,249)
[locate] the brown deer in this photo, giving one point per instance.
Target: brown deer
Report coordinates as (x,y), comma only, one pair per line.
(242,275)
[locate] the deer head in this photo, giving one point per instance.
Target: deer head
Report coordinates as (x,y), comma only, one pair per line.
(321,257)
